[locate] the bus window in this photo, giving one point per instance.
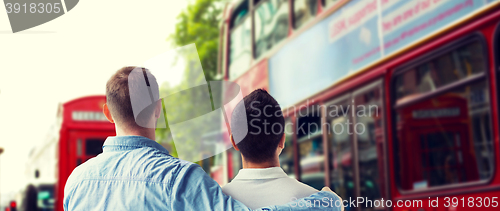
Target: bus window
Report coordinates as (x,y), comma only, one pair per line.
(368,130)
(311,154)
(328,3)
(456,65)
(240,53)
(338,116)
(271,24)
(312,162)
(286,156)
(93,147)
(445,139)
(303,10)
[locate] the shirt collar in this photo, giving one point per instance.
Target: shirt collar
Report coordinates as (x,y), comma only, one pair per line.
(261,173)
(114,143)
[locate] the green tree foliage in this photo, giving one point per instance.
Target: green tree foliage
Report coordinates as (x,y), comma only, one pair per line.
(198,24)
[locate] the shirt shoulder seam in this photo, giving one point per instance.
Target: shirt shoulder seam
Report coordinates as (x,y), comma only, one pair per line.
(123,179)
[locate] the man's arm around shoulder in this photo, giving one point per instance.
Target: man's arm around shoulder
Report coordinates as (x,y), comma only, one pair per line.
(193,189)
(326,199)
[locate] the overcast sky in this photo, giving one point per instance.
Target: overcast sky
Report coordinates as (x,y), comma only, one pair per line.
(70,57)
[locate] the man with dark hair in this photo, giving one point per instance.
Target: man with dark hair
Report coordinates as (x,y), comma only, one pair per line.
(136,173)
(265,124)
(262,182)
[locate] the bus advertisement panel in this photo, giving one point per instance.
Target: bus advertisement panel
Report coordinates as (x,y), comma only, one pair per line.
(358,34)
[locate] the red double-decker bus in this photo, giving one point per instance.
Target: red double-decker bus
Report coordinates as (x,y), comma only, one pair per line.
(384,100)
(77,135)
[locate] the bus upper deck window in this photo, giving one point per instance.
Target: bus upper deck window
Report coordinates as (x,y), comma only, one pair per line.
(271,24)
(328,3)
(240,52)
(303,11)
(240,15)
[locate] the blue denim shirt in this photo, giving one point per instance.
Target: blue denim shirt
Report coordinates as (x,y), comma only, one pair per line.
(136,173)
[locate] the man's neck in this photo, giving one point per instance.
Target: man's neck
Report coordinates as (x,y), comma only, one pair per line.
(252,165)
(145,132)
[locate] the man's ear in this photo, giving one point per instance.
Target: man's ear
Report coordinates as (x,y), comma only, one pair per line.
(281,144)
(234,145)
(158,109)
(106,112)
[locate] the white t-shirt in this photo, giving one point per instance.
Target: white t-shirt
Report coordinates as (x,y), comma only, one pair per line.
(261,187)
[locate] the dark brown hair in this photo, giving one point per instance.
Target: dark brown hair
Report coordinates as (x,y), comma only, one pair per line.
(264,126)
